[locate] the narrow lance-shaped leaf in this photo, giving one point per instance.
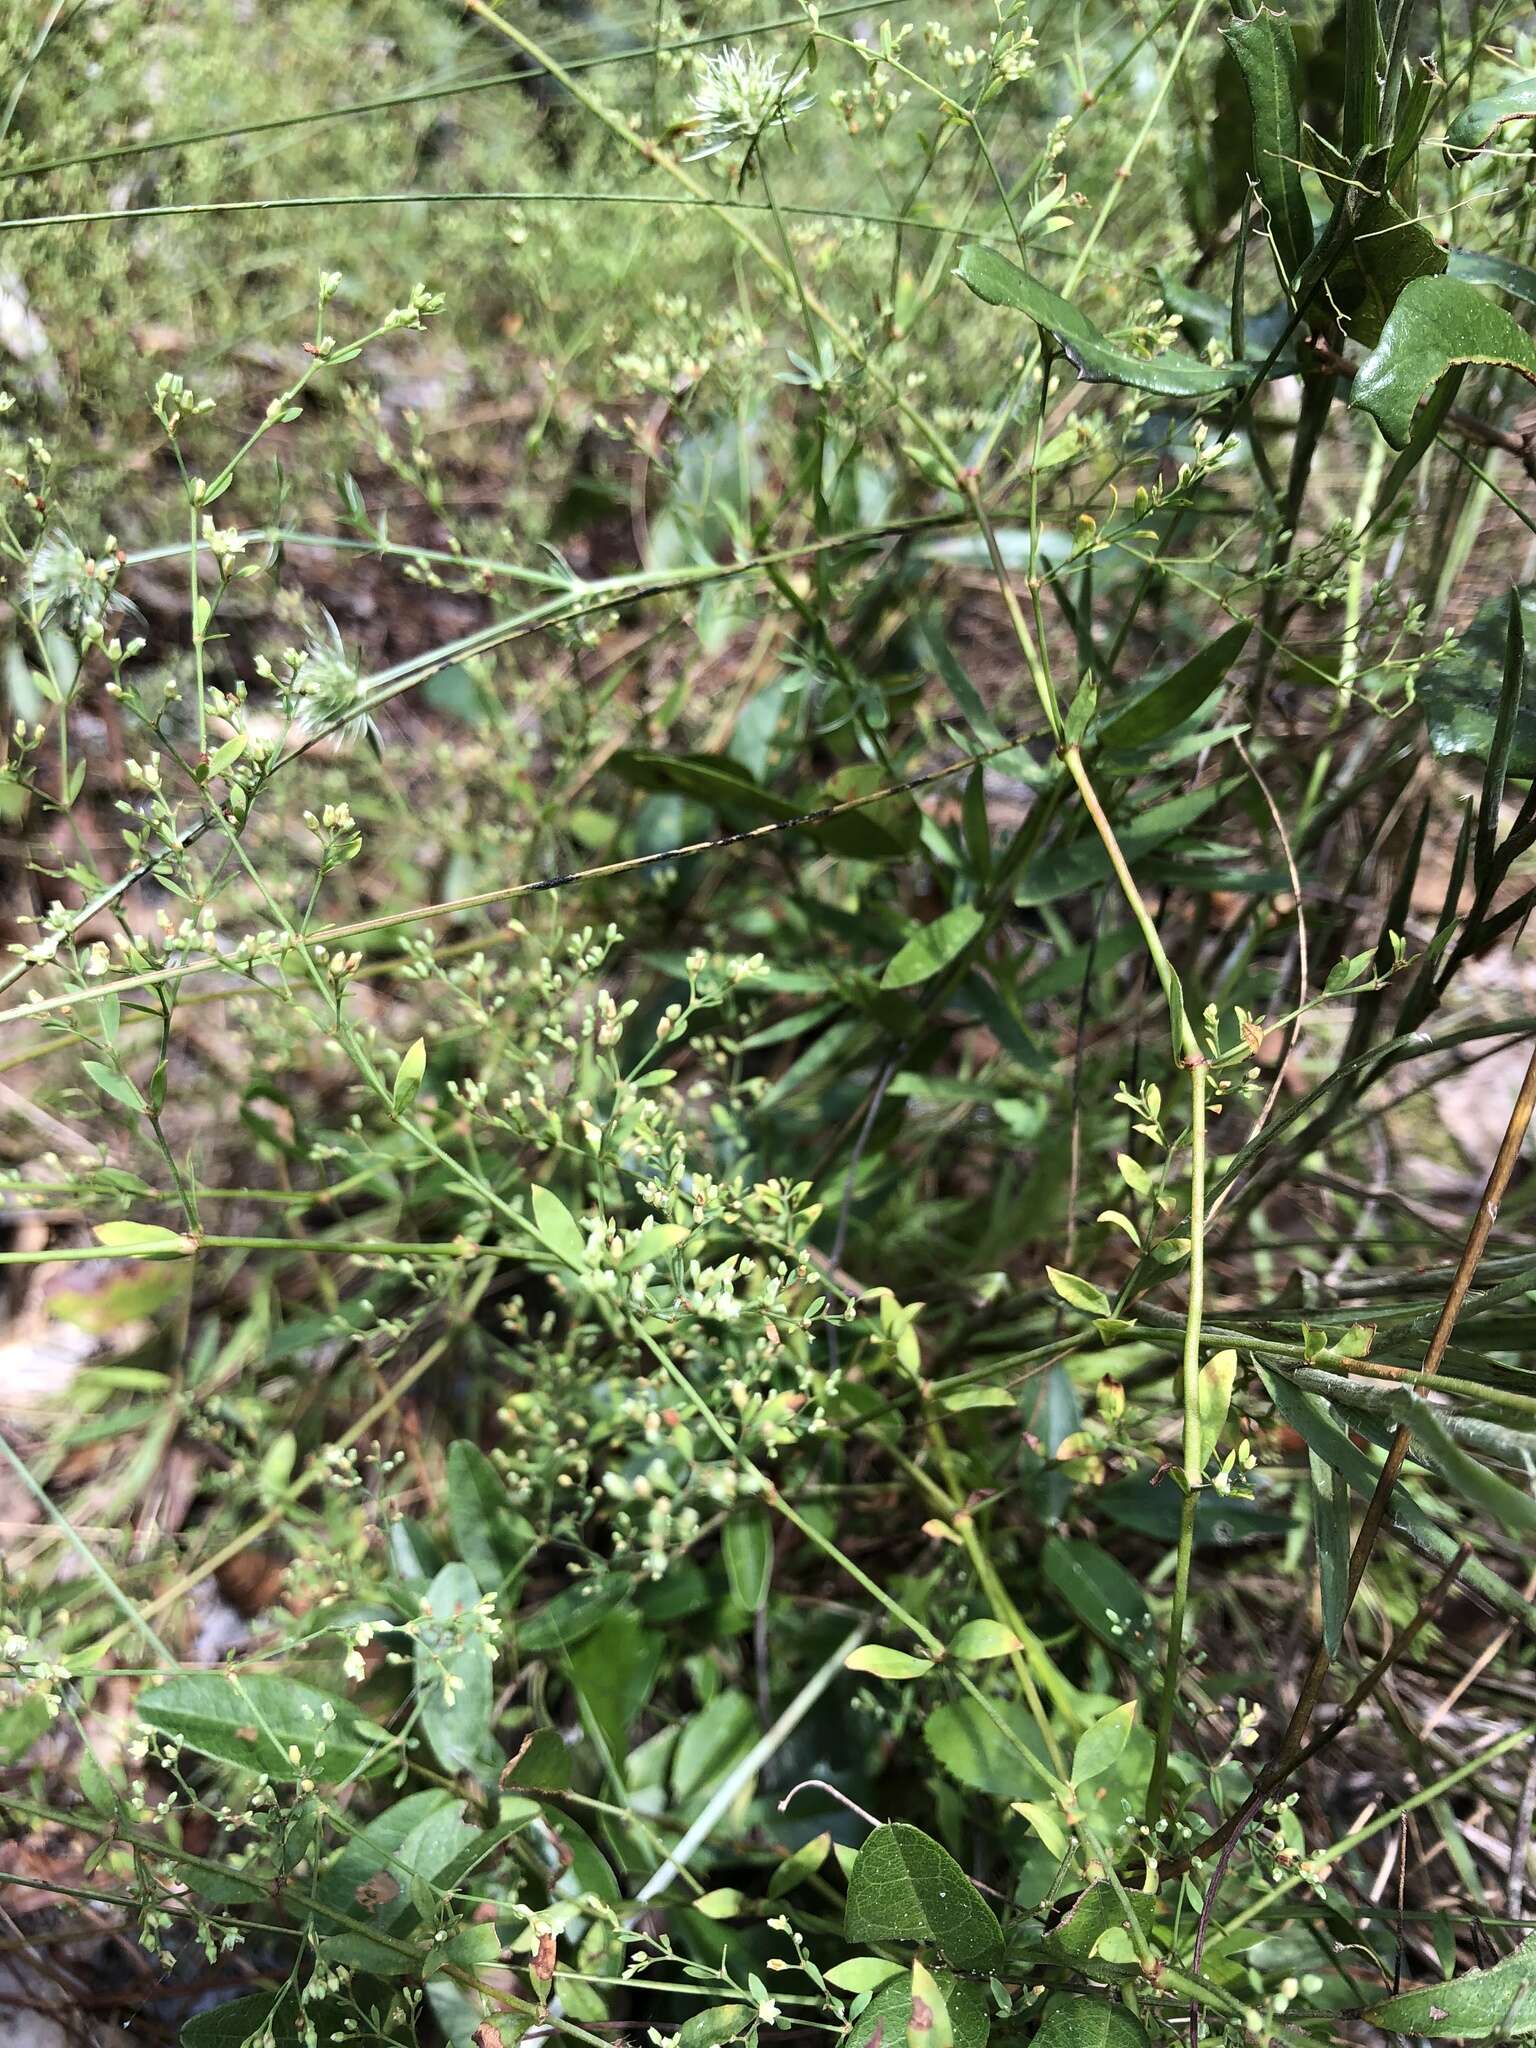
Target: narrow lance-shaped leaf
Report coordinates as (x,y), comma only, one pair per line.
(1437,323)
(1510,1507)
(1330,1534)
(1364,57)
(1000,283)
(1321,1434)
(1511,686)
(1167,703)
(1266,56)
(1218,1376)
(1477,266)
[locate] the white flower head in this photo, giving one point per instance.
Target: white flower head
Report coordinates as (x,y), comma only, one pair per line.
(329,687)
(741,91)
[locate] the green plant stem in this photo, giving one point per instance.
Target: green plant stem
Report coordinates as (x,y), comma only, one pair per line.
(150,145)
(664,161)
(295,942)
(1334,1851)
(1193,1461)
(319,1469)
(1375,1515)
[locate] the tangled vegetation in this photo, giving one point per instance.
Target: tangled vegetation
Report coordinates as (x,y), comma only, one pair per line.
(768,808)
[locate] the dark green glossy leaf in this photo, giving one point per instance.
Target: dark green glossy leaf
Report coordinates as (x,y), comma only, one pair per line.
(1501,752)
(1478,267)
(1205,318)
(1389,250)
(1071,2020)
(1437,323)
(904,1887)
(1154,1510)
(1000,283)
(579,1866)
(613,1672)
(1486,119)
(240,2020)
(1462,693)
(717,1737)
(1266,55)
(543,1761)
(886,830)
(572,1614)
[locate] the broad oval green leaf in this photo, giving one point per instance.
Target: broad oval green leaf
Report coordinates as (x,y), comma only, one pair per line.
(493,1539)
(409,1076)
(973,1749)
(1078,1293)
(264,1722)
(558,1227)
(979,1640)
(454,1668)
(888,2015)
(1097,1911)
(716,2025)
(747,1547)
(1099,1747)
(1436,324)
(118,1086)
(1218,1376)
(1072,2020)
(904,1887)
(1496,2003)
(933,946)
